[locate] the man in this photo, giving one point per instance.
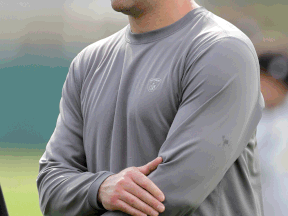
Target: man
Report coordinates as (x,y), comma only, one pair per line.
(3,208)
(274,79)
(272,137)
(178,83)
(272,133)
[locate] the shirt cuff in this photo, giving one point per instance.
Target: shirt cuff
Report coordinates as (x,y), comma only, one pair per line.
(93,190)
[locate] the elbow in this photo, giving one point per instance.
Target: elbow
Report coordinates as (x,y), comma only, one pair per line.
(179,205)
(45,189)
(43,200)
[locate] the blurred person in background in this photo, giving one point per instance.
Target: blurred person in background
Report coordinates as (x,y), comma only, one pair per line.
(178,84)
(3,208)
(272,131)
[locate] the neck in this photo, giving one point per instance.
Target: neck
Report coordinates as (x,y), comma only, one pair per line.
(160,14)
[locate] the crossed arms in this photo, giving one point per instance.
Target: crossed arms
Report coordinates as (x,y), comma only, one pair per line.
(215,120)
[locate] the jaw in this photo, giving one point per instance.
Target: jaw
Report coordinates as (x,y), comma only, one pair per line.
(131,7)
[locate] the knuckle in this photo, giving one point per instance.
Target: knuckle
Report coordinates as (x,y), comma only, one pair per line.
(114,199)
(136,213)
(126,209)
(148,170)
(132,202)
(147,210)
(117,191)
(153,213)
(145,169)
(121,182)
(154,203)
(156,207)
(133,168)
(131,171)
(145,184)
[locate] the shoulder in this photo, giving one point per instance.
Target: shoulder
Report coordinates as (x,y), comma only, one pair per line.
(228,32)
(93,54)
(214,34)
(220,52)
(99,48)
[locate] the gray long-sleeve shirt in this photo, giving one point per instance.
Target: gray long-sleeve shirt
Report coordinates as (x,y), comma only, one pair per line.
(188,92)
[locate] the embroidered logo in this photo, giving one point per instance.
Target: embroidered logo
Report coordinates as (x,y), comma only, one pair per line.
(153,84)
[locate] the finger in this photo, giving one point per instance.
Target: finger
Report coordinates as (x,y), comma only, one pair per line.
(143,195)
(151,166)
(124,207)
(144,182)
(136,203)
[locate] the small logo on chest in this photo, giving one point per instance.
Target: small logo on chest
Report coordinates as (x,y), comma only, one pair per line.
(153,84)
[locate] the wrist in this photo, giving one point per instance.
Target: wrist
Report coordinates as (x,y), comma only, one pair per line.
(98,196)
(94,189)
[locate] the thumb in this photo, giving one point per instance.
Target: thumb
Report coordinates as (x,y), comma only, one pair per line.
(151,166)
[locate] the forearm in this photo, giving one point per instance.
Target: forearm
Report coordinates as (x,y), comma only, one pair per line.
(64,190)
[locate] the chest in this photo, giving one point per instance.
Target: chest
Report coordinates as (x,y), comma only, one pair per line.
(133,86)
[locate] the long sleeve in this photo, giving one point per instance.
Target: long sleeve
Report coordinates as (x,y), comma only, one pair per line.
(218,114)
(64,184)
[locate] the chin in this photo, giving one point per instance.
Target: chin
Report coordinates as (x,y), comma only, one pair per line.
(128,7)
(121,5)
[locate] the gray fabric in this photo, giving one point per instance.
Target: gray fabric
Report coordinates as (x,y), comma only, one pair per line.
(188,92)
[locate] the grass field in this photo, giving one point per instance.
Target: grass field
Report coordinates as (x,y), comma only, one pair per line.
(18,173)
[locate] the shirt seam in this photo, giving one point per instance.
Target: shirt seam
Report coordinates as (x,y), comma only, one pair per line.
(216,23)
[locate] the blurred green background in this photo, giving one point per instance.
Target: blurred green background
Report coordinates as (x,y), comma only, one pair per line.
(38,41)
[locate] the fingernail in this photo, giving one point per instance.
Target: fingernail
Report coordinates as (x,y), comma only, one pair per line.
(162,197)
(161,208)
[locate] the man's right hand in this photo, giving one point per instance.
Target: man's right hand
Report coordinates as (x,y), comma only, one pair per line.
(132,192)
